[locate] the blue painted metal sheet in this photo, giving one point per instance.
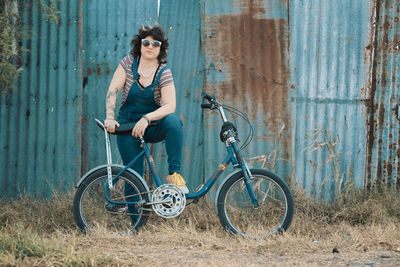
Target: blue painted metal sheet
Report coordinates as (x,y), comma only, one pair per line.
(303,71)
(329,66)
(182,23)
(383,146)
(108,41)
(40,119)
(109,27)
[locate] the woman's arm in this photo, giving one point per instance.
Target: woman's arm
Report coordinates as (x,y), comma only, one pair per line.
(168,101)
(116,84)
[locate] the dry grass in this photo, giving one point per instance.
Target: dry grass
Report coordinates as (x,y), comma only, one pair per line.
(363,227)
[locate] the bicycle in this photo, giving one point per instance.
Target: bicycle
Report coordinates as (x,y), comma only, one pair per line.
(254,203)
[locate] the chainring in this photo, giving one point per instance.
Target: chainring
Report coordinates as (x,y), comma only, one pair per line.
(174,201)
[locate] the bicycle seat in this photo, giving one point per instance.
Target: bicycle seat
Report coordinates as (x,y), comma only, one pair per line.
(124,128)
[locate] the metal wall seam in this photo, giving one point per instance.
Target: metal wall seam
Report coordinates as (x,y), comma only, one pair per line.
(33,88)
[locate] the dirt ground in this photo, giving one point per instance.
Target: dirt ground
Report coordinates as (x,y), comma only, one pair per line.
(129,252)
(166,253)
(178,244)
(360,231)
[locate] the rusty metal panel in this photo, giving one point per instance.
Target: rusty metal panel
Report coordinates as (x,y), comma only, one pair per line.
(246,49)
(316,78)
(383,146)
(329,69)
(40,119)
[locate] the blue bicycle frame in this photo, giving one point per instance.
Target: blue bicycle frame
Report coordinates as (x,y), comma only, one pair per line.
(234,158)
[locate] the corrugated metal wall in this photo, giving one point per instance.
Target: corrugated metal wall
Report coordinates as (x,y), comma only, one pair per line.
(383,139)
(304,71)
(246,45)
(182,23)
(102,56)
(108,28)
(39,140)
(329,66)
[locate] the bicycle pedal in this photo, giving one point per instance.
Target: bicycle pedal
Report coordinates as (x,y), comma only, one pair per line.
(116,208)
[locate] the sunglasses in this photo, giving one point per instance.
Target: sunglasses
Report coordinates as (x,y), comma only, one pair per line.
(146,43)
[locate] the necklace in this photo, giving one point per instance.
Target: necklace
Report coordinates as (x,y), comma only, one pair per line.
(148,75)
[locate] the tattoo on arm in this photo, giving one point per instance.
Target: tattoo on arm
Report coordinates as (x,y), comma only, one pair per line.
(111,100)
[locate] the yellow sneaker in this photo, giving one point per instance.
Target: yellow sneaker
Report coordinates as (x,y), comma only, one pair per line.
(177,179)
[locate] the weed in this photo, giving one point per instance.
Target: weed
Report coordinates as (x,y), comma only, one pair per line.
(12,31)
(9,32)
(42,232)
(322,139)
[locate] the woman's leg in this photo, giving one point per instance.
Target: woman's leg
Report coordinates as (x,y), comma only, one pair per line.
(170,129)
(129,148)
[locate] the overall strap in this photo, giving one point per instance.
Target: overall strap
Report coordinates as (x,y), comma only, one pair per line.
(134,69)
(157,80)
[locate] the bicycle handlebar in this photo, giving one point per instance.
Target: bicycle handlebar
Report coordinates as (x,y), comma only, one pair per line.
(206,105)
(214,104)
(210,98)
(124,128)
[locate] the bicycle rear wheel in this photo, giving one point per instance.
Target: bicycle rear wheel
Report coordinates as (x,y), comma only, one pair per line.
(93,212)
(237,214)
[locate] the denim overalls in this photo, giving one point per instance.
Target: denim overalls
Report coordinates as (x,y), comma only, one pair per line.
(138,103)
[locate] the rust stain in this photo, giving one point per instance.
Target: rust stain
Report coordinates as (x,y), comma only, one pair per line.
(251,50)
(383,22)
(82,123)
(398,165)
(369,101)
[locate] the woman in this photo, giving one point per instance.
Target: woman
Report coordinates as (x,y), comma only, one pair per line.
(148,95)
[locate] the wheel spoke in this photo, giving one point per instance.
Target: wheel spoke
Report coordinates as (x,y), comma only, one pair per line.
(238,215)
(100,197)
(93,211)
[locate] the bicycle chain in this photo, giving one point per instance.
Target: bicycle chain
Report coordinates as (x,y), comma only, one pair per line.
(194,201)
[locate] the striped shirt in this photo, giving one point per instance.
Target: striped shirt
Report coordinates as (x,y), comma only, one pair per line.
(165,79)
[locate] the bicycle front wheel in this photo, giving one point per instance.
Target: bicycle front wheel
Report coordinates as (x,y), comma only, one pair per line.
(93,211)
(237,214)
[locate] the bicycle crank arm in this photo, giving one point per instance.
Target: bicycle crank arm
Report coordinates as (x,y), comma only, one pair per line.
(166,201)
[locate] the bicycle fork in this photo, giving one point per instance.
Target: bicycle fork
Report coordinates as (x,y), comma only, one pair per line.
(248,177)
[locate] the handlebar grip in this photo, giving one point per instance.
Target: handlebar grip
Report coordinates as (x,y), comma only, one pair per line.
(207,96)
(205,105)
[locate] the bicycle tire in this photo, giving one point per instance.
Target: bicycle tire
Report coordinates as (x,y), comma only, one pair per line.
(91,214)
(237,214)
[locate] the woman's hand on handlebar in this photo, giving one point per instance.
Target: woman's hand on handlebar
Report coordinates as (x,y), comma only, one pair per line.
(140,128)
(110,125)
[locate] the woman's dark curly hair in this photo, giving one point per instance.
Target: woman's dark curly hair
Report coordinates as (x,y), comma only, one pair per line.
(158,34)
